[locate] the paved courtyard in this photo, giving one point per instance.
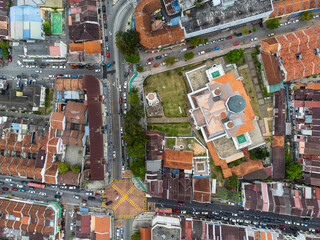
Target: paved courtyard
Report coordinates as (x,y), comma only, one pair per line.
(127,200)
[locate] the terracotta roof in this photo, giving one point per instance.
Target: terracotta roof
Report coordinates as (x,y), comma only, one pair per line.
(201,189)
(291,6)
(92,47)
(145,233)
(69,84)
(269,45)
(247,167)
(53,145)
(152,39)
(271,68)
(178,159)
(102,228)
(72,137)
(277,141)
(76,47)
(69,178)
(297,53)
(56,120)
(75,112)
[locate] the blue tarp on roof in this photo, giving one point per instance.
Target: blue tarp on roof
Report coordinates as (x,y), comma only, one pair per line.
(300,13)
(176,6)
(85,210)
(174,21)
(15,126)
(308,118)
(86,130)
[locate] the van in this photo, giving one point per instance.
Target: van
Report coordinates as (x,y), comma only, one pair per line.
(20,64)
(200,53)
(183,50)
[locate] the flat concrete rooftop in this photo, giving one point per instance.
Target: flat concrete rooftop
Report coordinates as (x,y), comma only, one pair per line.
(208,18)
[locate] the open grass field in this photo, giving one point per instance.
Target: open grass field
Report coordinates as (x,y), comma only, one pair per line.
(171,87)
(56,23)
(248,85)
(171,129)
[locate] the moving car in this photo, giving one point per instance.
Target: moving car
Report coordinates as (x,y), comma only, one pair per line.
(97,70)
(89,193)
(253,39)
(57,196)
(109,65)
(5,189)
(14,189)
(91,198)
(236,43)
(108,54)
(271,34)
(150,59)
(176,210)
(76,196)
(181,203)
(228,38)
(8,179)
(22,190)
(108,203)
(104,9)
(43,194)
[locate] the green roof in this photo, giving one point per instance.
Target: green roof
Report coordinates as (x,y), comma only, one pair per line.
(215,74)
(241,139)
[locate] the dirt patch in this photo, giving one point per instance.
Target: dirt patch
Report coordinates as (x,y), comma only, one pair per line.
(191,144)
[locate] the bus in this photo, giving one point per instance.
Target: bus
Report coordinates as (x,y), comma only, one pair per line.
(37,185)
(163,210)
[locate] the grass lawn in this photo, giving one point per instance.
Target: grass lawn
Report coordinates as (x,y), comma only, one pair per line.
(171,129)
(248,85)
(171,87)
(170,142)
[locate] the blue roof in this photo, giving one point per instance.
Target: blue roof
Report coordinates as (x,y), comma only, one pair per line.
(25,13)
(174,21)
(236,103)
(176,6)
(15,126)
(276,87)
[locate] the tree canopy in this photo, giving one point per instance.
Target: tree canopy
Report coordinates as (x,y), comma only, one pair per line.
(47,28)
(232,183)
(306,16)
(4,45)
(75,168)
(233,196)
(138,168)
(135,236)
(140,69)
(235,55)
(128,42)
(259,153)
(188,55)
(134,136)
(245,30)
(223,193)
(170,60)
(195,41)
(63,167)
(293,170)
(132,58)
(273,23)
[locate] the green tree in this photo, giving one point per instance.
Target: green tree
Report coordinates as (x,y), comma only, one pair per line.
(273,23)
(170,60)
(5,53)
(132,58)
(260,153)
(55,9)
(233,196)
(306,16)
(206,40)
(138,168)
(235,55)
(188,55)
(128,42)
(4,45)
(75,168)
(135,236)
(254,29)
(47,28)
(63,167)
(223,193)
(232,183)
(293,170)
(245,31)
(195,41)
(140,69)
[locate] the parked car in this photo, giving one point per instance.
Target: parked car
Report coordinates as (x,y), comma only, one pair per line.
(228,38)
(104,9)
(106,38)
(1,183)
(103,199)
(8,179)
(59,193)
(43,194)
(150,59)
(239,34)
(76,196)
(22,190)
(108,54)
(236,43)
(104,16)
(156,65)
(91,198)
(14,189)
(181,203)
(109,65)
(158,57)
(97,70)
(32,191)
(216,48)
(108,203)
(254,39)
(271,34)
(190,48)
(89,193)
(176,210)
(5,189)
(57,196)
(84,201)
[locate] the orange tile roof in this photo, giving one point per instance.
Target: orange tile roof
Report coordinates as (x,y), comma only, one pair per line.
(302,42)
(269,45)
(288,6)
(152,39)
(69,84)
(312,85)
(74,112)
(277,141)
(271,68)
(248,113)
(102,228)
(247,167)
(145,233)
(56,120)
(178,159)
(92,47)
(76,47)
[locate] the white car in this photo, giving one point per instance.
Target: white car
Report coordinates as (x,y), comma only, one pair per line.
(76,196)
(54,66)
(32,192)
(43,194)
(62,66)
(316,16)
(148,63)
(89,193)
(125,84)
(97,70)
(200,45)
(162,64)
(59,193)
(20,186)
(234,214)
(122,168)
(121,130)
(114,154)
(63,187)
(281,24)
(288,222)
(183,211)
(200,53)
(164,55)
(295,21)
(38,71)
(125,106)
(8,179)
(124,96)
(72,187)
(254,39)
(289,22)
(51,76)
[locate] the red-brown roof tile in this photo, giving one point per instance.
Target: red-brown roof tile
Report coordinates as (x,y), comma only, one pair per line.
(178,159)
